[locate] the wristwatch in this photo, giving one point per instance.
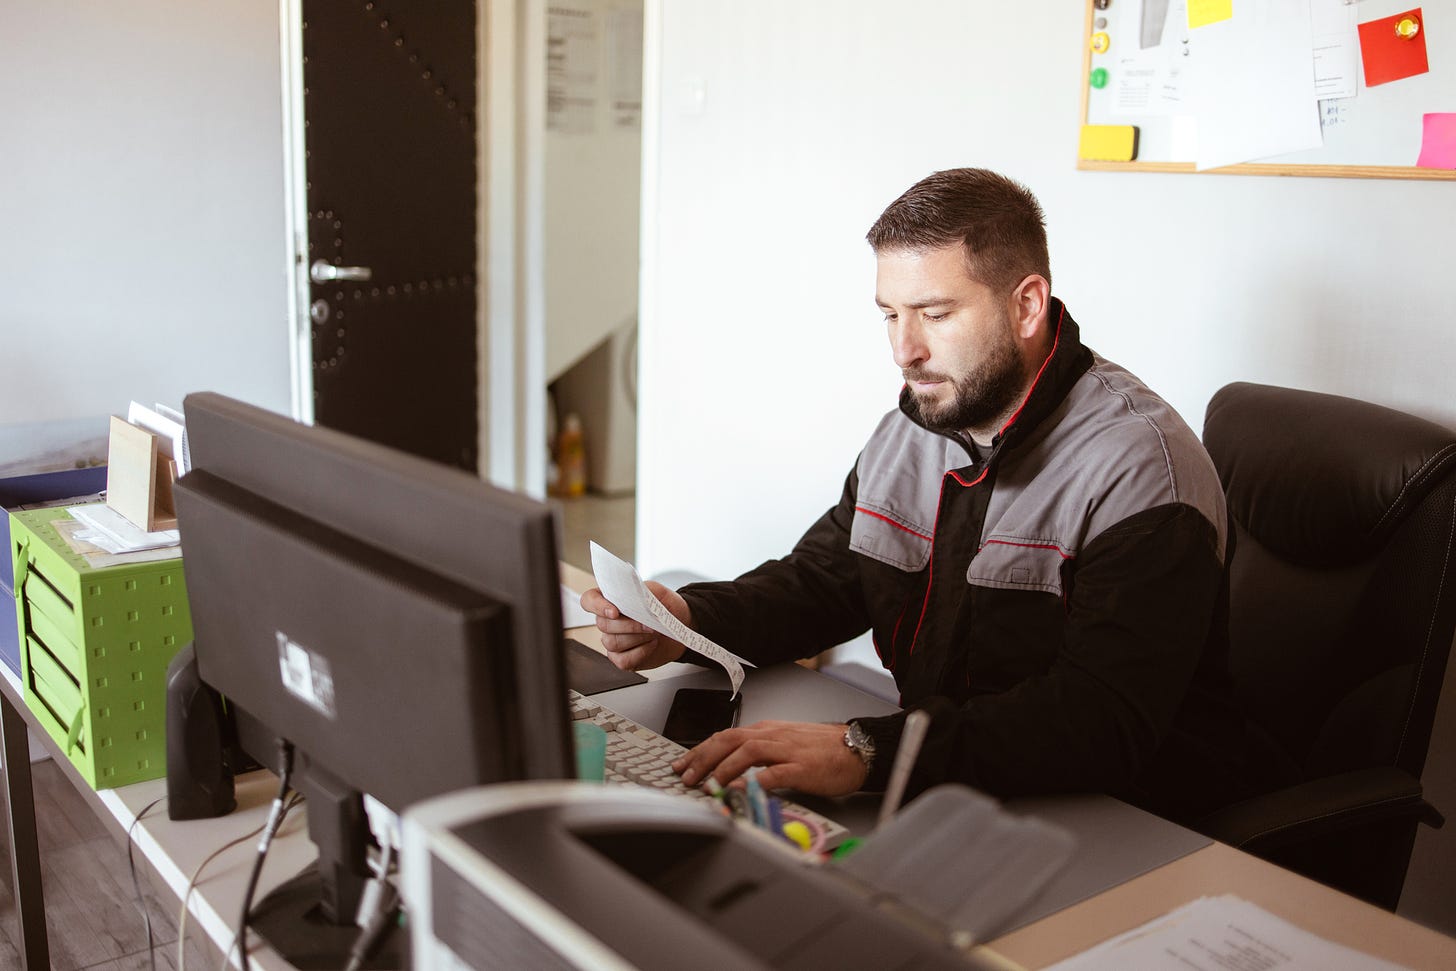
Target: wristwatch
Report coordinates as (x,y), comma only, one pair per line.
(858,741)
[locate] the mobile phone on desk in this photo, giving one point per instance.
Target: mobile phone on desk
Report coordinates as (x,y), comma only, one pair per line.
(697,713)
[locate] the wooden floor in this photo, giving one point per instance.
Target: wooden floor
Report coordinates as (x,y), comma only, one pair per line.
(93,919)
(609,520)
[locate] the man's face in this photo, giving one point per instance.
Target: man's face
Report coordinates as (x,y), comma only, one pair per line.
(951,336)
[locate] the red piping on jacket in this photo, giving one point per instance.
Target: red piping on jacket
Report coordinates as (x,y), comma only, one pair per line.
(1040,371)
(930,570)
(1028,546)
(930,577)
(871,512)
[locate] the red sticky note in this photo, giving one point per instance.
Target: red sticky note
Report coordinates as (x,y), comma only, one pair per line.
(1438,141)
(1387,55)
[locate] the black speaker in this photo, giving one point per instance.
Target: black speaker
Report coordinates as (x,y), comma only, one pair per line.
(200,746)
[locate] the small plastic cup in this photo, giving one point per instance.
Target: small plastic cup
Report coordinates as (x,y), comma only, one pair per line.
(591,751)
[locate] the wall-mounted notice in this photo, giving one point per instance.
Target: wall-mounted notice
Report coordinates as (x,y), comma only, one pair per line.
(624,67)
(571,70)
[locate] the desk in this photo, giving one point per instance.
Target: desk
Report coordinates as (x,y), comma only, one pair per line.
(174,850)
(171,850)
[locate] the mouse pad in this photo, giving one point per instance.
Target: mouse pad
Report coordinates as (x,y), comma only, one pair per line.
(589,672)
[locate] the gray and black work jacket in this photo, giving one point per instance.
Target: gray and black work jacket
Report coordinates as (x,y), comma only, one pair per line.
(1058,604)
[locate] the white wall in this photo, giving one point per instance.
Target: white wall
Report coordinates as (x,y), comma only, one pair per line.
(781,130)
(776,134)
(141,212)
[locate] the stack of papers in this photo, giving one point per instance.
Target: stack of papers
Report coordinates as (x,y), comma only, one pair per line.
(70,531)
(111,531)
(1218,934)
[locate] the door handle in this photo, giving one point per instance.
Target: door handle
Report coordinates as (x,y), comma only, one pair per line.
(322,271)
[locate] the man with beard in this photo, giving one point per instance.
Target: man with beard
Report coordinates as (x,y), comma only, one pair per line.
(1037,541)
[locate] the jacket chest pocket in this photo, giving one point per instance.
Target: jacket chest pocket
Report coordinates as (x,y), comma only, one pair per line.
(886,538)
(1018,564)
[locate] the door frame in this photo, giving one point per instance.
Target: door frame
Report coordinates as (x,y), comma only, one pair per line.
(295,206)
(510,309)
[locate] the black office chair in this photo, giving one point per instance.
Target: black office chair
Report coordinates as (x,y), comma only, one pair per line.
(1342,611)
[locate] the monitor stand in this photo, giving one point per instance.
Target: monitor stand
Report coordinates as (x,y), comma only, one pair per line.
(309,920)
(291,920)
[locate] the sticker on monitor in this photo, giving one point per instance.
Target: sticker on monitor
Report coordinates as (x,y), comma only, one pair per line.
(306,675)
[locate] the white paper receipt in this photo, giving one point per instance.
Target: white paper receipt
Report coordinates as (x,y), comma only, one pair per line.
(623,587)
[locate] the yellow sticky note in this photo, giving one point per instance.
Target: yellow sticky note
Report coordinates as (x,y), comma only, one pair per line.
(1204,12)
(1107,143)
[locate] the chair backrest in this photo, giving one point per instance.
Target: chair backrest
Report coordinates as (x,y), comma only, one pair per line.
(1342,601)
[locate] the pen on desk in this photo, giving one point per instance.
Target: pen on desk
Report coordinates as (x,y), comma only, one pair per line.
(911,738)
(757,798)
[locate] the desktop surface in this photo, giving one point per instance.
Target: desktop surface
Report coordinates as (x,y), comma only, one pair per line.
(1115,841)
(174,849)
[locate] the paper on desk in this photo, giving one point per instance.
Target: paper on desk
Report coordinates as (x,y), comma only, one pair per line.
(82,541)
(572,614)
(622,586)
(1218,933)
(118,532)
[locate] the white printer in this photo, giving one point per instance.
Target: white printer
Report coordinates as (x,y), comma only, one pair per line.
(548,875)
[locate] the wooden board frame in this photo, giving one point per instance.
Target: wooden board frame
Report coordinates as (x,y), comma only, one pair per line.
(1408,172)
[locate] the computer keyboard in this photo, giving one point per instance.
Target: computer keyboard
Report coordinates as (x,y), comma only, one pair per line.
(637,755)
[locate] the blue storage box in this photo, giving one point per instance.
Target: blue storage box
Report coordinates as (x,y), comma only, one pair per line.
(24,490)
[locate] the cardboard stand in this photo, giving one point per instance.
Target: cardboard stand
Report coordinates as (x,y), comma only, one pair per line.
(140,473)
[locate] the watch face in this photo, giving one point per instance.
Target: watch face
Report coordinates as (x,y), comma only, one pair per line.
(858,739)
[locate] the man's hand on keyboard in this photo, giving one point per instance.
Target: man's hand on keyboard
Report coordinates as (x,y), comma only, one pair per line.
(795,755)
(633,646)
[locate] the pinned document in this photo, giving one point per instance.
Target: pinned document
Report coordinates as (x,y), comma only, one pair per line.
(623,587)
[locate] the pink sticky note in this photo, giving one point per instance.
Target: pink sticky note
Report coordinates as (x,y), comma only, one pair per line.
(1438,141)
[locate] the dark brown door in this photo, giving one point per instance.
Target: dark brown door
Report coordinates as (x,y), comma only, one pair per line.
(389,109)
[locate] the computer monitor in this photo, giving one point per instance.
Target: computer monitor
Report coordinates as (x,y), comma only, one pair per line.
(397,621)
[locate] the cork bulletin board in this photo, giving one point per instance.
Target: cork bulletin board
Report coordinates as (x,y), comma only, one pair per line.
(1378,112)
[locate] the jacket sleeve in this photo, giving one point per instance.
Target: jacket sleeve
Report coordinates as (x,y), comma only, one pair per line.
(793,607)
(1144,597)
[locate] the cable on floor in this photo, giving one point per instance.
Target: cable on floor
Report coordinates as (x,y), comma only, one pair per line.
(197,876)
(136,884)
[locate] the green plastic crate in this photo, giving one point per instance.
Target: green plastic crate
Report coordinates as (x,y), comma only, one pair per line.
(95,644)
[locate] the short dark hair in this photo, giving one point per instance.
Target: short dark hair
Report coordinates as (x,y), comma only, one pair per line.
(997,219)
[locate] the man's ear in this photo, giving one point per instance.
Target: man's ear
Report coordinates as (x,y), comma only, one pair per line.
(1029,302)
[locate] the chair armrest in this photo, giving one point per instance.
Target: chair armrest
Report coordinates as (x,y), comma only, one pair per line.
(1319,807)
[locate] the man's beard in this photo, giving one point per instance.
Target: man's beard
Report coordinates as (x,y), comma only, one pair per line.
(980,397)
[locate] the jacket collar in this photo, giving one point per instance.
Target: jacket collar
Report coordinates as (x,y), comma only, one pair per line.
(1067,361)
